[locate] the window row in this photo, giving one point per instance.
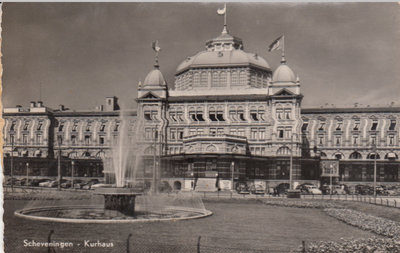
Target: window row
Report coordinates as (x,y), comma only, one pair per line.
(356,126)
(88,127)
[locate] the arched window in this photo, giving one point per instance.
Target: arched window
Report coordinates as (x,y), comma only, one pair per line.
(372,156)
(391,156)
(338,156)
(355,155)
(283,151)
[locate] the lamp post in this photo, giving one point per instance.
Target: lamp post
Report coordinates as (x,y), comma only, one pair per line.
(154,160)
(59,163)
(291,165)
(12,163)
(375,154)
(232,172)
(27,174)
(72,174)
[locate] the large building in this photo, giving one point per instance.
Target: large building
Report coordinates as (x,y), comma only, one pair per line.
(229,118)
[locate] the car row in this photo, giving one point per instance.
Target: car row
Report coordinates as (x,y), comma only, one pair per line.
(52,183)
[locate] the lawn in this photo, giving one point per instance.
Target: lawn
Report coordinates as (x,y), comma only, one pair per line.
(239,225)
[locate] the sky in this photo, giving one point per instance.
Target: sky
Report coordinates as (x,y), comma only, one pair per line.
(76,54)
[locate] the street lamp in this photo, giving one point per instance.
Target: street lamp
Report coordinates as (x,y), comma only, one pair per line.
(12,163)
(375,155)
(232,172)
(72,174)
(59,138)
(27,174)
(291,164)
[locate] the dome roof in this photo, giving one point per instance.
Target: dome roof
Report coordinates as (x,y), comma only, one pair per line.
(235,57)
(283,74)
(154,78)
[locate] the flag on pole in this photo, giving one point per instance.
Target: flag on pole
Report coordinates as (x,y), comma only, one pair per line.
(277,44)
(221,11)
(155,46)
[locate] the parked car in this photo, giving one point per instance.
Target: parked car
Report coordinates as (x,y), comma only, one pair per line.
(36,181)
(89,184)
(339,189)
(364,190)
(45,183)
(66,184)
(101,185)
(9,180)
(242,188)
(257,189)
(78,183)
(312,189)
(282,188)
(304,188)
(54,183)
(381,190)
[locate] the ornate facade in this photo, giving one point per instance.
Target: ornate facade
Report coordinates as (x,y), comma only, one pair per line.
(228,113)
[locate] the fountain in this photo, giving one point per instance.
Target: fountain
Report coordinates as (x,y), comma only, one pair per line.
(123,202)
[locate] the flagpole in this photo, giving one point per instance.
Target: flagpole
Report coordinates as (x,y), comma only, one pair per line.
(283,49)
(225,15)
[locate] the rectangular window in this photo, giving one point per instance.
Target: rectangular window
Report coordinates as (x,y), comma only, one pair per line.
(147,115)
(39,127)
(262,133)
(101,140)
(373,140)
(180,134)
(392,125)
(25,139)
(12,138)
(116,127)
(241,132)
(213,131)
(321,140)
(172,133)
(74,127)
(61,127)
(12,127)
(253,133)
(279,113)
(338,138)
(172,116)
(288,133)
(26,125)
(374,125)
(147,134)
(199,117)
(220,131)
(38,138)
(355,140)
(102,127)
(391,139)
(287,113)
(88,126)
(304,127)
(321,126)
(356,125)
(220,116)
(59,139)
(280,133)
(339,126)
(87,139)
(192,131)
(73,139)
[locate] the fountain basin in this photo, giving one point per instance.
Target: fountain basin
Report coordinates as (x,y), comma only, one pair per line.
(119,199)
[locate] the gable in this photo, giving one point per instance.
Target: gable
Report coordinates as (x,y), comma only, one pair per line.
(284,92)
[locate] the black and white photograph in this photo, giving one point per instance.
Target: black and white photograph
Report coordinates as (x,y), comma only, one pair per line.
(205,127)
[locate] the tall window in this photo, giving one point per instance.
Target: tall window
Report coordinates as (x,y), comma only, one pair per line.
(87,139)
(102,127)
(212,114)
(38,138)
(321,140)
(25,139)
(392,125)
(339,125)
(88,126)
(355,140)
(204,79)
(281,133)
(196,80)
(74,127)
(73,139)
(304,126)
(374,125)
(338,139)
(116,127)
(12,127)
(101,140)
(356,125)
(39,127)
(321,126)
(26,125)
(391,140)
(235,78)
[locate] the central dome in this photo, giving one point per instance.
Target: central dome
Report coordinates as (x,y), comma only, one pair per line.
(223,51)
(236,57)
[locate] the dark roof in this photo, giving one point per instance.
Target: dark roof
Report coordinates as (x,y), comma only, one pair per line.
(349,110)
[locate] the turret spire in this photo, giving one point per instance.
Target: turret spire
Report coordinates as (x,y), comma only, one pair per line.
(223,12)
(156,49)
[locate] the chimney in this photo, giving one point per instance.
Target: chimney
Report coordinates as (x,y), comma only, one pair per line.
(61,107)
(40,104)
(33,104)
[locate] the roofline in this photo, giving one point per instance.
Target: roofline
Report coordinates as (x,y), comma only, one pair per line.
(349,110)
(197,66)
(219,97)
